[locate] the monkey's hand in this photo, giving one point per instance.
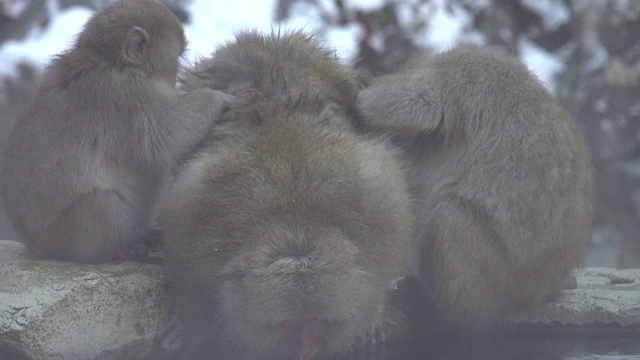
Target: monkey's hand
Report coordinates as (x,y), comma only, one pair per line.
(390,334)
(194,115)
(209,103)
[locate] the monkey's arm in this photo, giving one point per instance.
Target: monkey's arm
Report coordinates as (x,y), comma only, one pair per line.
(183,121)
(401,102)
(204,106)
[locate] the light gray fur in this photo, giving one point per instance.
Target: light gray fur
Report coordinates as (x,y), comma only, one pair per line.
(84,162)
(502,175)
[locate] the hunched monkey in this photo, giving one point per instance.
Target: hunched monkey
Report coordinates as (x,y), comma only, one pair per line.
(83,164)
(284,230)
(502,177)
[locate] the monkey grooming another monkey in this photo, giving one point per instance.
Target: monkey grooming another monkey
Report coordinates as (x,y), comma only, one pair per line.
(502,177)
(283,233)
(303,66)
(83,164)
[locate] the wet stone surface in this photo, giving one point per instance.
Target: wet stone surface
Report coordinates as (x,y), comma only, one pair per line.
(56,310)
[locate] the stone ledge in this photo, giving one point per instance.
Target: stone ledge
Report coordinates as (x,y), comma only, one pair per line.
(72,311)
(605,298)
(57,310)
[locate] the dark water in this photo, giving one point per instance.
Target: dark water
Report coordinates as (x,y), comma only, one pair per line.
(594,345)
(552,344)
(532,342)
(429,340)
(606,347)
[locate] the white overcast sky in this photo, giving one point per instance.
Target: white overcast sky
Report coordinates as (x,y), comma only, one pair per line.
(215,21)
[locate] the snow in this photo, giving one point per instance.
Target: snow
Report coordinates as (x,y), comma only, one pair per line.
(446,25)
(542,63)
(40,46)
(365,5)
(303,16)
(345,41)
(14,8)
(553,12)
(214,22)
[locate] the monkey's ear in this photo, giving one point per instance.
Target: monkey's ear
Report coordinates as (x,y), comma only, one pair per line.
(136,44)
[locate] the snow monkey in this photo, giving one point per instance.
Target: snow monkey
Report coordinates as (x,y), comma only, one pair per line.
(502,176)
(285,229)
(84,163)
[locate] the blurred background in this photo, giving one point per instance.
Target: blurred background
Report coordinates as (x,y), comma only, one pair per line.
(587,53)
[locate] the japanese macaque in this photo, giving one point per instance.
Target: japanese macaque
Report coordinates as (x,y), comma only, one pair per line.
(502,177)
(303,67)
(84,162)
(284,231)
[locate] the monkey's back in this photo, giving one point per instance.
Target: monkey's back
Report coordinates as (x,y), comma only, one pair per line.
(287,219)
(76,139)
(502,175)
(516,167)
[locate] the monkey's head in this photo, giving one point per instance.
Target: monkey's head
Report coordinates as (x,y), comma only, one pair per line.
(294,232)
(141,34)
(276,64)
